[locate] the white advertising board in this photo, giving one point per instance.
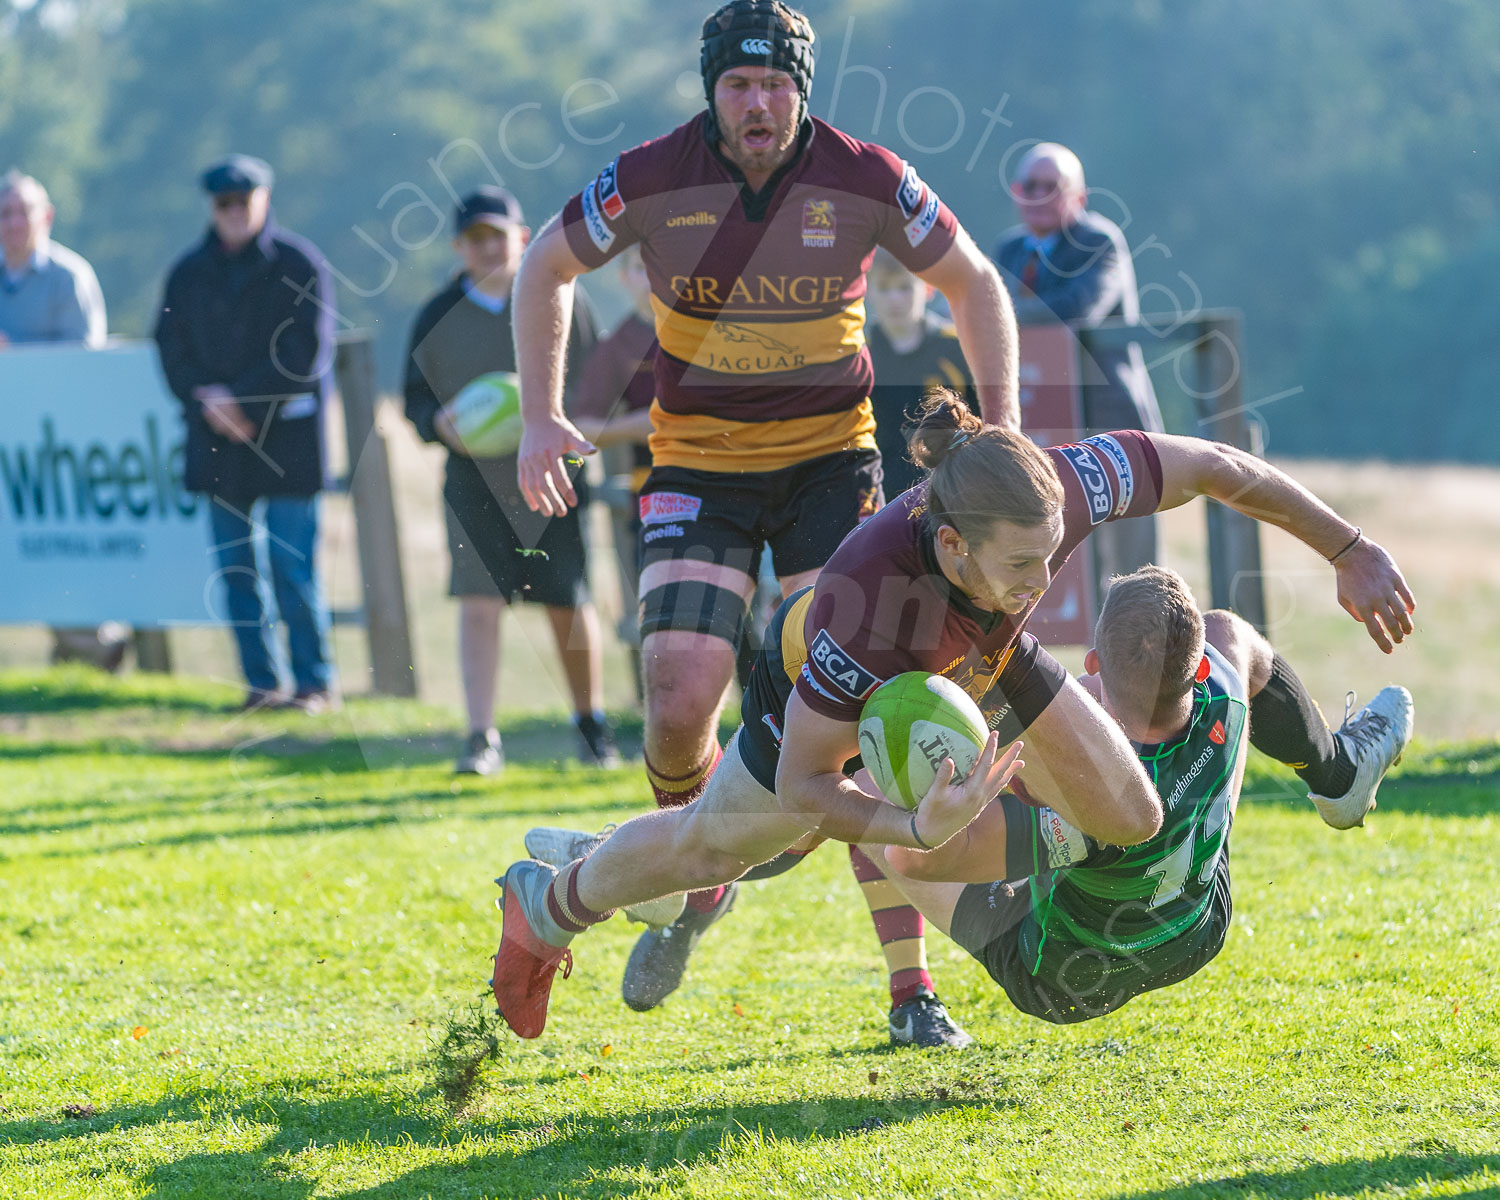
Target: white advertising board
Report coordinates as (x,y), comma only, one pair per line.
(94,524)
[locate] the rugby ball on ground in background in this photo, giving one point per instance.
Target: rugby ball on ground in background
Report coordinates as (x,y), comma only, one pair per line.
(486,415)
(909,725)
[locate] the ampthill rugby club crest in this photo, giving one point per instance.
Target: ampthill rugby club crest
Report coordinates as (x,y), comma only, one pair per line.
(817,223)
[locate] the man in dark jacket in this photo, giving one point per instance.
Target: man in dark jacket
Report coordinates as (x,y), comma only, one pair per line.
(1065,263)
(246,342)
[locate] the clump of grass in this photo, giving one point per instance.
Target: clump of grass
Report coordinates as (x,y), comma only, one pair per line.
(470,1039)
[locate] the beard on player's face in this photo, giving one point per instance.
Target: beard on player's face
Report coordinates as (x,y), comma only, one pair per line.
(974,581)
(1010,568)
(758,112)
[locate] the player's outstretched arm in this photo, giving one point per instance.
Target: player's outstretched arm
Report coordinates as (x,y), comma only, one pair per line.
(543,309)
(986,325)
(811,785)
(1371,587)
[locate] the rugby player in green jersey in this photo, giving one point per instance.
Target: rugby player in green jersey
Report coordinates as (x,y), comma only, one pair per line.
(1078,928)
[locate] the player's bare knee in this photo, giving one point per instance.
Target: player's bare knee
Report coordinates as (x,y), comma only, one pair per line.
(679,724)
(1221,627)
(912,864)
(687,675)
(721,867)
(704,863)
(1242,644)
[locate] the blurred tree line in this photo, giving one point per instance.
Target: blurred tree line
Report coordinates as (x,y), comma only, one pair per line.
(1327,168)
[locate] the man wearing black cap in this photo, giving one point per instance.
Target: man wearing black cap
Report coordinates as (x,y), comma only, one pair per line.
(757,224)
(246,341)
(500,550)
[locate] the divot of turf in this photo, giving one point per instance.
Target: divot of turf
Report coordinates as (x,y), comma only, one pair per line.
(470,1039)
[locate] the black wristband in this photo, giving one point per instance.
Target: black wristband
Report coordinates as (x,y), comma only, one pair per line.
(1358,533)
(917,837)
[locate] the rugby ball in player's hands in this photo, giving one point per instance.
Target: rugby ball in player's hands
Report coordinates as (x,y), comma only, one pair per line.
(909,725)
(486,415)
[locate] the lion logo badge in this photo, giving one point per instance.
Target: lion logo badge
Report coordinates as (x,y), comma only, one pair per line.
(818,226)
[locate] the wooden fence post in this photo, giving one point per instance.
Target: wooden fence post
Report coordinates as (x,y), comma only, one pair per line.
(391,667)
(1237,577)
(153,652)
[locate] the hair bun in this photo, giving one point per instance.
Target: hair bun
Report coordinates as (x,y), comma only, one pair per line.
(944,422)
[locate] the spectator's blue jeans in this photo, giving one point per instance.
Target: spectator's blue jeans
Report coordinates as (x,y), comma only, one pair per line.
(289,525)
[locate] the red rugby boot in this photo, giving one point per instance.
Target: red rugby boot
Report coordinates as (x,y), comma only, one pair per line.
(532,947)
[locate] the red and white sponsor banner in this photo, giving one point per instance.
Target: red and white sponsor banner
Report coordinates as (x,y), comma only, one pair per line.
(660,507)
(1052,413)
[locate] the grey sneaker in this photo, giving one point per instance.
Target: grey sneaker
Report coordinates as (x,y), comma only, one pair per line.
(656,965)
(264,700)
(316,702)
(483,754)
(596,742)
(923,1021)
(1375,737)
(557,846)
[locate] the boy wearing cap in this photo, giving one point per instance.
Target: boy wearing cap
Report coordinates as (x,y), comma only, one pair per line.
(246,337)
(500,550)
(757,223)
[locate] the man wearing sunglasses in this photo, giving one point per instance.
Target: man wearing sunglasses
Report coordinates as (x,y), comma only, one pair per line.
(246,340)
(1066,263)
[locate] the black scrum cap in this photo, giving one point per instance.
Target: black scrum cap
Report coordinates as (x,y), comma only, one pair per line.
(757,33)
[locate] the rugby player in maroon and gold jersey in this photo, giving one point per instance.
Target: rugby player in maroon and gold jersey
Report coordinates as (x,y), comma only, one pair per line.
(757,224)
(941,581)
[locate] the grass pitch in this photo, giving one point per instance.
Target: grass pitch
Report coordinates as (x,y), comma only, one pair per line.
(241,958)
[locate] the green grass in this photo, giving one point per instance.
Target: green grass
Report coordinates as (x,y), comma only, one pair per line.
(294,914)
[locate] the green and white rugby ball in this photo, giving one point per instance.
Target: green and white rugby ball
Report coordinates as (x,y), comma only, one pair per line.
(909,725)
(486,415)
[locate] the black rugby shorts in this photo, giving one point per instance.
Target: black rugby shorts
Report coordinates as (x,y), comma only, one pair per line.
(802,512)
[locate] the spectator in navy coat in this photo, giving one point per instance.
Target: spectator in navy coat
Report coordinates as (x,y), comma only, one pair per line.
(246,341)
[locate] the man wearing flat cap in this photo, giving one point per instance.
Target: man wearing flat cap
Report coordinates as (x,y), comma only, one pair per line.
(246,341)
(757,224)
(499,549)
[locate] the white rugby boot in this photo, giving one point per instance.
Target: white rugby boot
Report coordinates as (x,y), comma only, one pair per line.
(558,847)
(1376,736)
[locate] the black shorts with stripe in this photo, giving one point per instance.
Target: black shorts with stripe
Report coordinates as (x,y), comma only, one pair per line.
(802,512)
(498,547)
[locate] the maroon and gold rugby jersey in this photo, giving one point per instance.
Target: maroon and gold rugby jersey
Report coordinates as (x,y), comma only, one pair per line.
(759,297)
(883,606)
